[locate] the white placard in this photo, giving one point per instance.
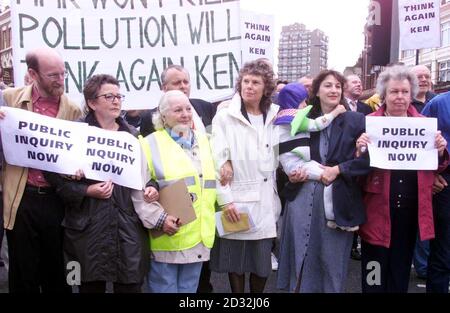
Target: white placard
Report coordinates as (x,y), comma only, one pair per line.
(134,41)
(419,23)
(112,155)
(402,143)
(41,142)
(54,145)
(258,33)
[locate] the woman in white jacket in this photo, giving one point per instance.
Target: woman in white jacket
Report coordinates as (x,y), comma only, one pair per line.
(243,133)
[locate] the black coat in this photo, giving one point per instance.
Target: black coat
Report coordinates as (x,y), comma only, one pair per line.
(347,198)
(204,109)
(419,105)
(104,235)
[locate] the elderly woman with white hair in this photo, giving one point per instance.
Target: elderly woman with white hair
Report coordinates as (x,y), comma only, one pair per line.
(398,202)
(173,152)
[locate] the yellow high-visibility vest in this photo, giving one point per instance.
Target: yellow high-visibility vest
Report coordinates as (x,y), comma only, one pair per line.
(168,162)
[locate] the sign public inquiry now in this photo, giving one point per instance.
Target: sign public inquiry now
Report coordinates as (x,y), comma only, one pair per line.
(49,144)
(402,143)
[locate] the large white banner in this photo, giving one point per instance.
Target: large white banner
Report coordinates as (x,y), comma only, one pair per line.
(49,144)
(134,40)
(419,23)
(402,143)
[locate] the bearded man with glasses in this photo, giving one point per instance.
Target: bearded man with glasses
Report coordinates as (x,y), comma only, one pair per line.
(33,212)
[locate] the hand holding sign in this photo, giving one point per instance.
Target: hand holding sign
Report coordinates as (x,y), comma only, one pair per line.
(440,143)
(79,174)
(361,144)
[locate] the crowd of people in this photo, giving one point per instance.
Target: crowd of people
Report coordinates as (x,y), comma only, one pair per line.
(286,164)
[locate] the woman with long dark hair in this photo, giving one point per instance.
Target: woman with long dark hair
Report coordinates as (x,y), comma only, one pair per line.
(102,231)
(313,256)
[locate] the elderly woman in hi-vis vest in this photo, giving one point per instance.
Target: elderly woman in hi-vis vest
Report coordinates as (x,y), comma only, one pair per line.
(176,151)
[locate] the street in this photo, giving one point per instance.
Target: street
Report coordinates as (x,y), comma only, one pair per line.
(221,285)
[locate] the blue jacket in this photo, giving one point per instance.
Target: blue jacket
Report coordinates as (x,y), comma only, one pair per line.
(439,107)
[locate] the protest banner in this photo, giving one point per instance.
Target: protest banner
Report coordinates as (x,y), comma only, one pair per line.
(419,24)
(402,143)
(257,36)
(134,40)
(54,145)
(112,155)
(41,142)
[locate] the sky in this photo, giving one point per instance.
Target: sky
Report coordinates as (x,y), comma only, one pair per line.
(341,20)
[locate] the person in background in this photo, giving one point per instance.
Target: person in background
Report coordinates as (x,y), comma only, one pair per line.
(438,271)
(374,102)
(307,82)
(352,93)
(398,202)
(424,94)
(176,77)
(243,133)
(280,84)
(177,152)
(133,117)
(33,212)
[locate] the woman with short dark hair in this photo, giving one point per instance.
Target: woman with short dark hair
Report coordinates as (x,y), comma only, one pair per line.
(101,228)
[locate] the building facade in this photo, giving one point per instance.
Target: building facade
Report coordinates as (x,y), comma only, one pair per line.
(6,61)
(301,52)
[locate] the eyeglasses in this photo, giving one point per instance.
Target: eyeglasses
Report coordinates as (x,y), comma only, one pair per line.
(56,76)
(111,97)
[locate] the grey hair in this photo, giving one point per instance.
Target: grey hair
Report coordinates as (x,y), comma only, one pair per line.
(163,106)
(399,73)
(175,67)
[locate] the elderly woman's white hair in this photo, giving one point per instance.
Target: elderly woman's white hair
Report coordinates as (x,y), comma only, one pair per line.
(399,73)
(163,106)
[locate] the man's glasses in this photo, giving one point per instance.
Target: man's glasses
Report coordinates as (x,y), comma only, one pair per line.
(110,97)
(56,76)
